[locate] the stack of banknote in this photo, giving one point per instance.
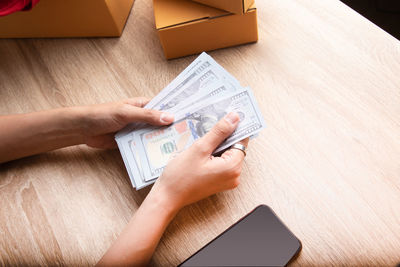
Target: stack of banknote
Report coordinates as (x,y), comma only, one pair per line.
(198,98)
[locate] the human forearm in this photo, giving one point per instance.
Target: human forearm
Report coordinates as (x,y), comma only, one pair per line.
(23,135)
(28,134)
(136,244)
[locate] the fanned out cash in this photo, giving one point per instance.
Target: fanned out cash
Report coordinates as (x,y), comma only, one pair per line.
(199,97)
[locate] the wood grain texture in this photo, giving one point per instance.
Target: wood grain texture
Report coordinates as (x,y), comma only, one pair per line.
(328,84)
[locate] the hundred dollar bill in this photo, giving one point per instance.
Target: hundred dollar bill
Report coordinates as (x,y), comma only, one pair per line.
(213,92)
(184,77)
(201,76)
(191,84)
(199,86)
(130,157)
(156,146)
(194,90)
(217,90)
(123,137)
(195,77)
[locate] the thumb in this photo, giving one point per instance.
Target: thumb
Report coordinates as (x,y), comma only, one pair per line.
(222,130)
(150,116)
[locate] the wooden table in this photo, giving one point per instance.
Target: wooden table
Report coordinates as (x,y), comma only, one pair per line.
(328,84)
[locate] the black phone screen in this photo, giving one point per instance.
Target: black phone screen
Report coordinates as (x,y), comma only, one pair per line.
(258,239)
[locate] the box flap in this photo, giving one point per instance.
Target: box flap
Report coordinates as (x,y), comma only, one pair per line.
(234,6)
(174,12)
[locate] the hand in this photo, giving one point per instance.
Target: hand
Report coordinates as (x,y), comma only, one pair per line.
(103,120)
(196,174)
(193,175)
(37,132)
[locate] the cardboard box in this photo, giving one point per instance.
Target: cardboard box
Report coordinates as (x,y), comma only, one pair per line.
(68,18)
(186,27)
(234,6)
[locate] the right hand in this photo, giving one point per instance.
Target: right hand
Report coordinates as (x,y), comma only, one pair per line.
(195,174)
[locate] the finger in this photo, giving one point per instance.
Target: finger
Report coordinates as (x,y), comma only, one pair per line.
(222,130)
(244,142)
(137,101)
(150,116)
(236,155)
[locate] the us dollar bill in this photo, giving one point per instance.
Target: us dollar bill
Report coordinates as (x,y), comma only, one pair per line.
(198,86)
(132,162)
(195,77)
(215,91)
(124,137)
(156,146)
(189,87)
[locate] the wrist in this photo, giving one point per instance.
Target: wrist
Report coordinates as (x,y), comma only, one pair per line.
(163,201)
(77,122)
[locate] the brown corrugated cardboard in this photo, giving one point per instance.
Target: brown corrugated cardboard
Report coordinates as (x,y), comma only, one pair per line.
(186,27)
(234,6)
(68,18)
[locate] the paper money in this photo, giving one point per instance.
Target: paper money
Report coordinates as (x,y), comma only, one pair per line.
(181,86)
(203,81)
(157,146)
(190,83)
(184,77)
(124,138)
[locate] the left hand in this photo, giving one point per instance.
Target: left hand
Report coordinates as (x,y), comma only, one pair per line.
(102,121)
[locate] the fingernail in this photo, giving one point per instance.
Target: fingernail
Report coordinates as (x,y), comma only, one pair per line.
(232,117)
(166,117)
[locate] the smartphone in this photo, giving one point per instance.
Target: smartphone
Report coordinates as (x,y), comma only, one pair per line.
(258,239)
